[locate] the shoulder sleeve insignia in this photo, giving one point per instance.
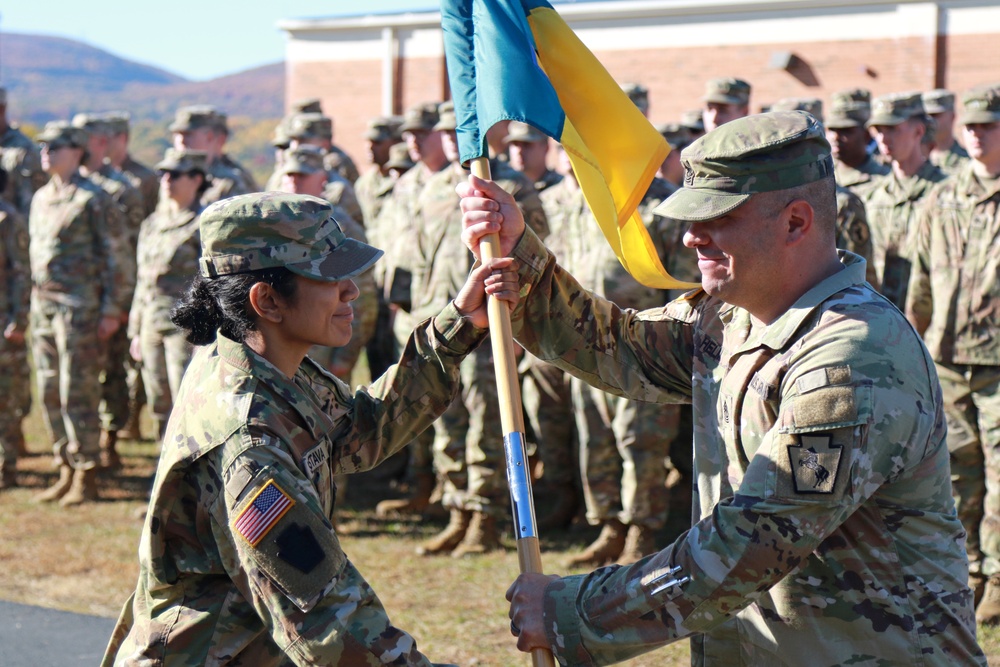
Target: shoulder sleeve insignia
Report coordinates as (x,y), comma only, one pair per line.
(263,512)
(815,462)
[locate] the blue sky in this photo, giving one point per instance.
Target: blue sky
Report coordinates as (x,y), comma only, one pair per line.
(197,40)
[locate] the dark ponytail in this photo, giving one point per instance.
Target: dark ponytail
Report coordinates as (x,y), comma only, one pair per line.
(223,304)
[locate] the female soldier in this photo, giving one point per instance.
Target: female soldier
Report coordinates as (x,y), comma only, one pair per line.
(167,257)
(239,563)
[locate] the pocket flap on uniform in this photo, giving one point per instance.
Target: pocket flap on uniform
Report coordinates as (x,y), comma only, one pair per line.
(827,407)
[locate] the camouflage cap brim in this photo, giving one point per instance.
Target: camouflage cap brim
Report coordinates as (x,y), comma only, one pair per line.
(843,122)
(720,98)
(345,260)
(979,117)
(699,205)
(888,119)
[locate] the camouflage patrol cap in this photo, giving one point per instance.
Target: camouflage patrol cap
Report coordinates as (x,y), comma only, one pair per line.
(399,157)
(747,156)
(849,108)
(421,117)
(518,131)
(118,121)
(677,135)
(280,139)
(727,90)
(811,105)
(938,100)
(381,129)
(692,120)
(198,116)
(896,108)
(92,123)
(446,116)
(981,105)
(183,160)
(303,160)
(306,105)
(266,230)
(310,126)
(638,93)
(60,131)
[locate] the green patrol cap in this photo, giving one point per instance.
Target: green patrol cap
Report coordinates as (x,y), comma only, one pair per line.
(118,121)
(184,160)
(60,131)
(677,135)
(638,93)
(303,160)
(266,230)
(446,116)
(812,105)
(518,131)
(399,157)
(938,100)
(306,105)
(281,138)
(421,117)
(198,116)
(727,90)
(759,153)
(92,123)
(381,129)
(692,120)
(310,126)
(896,108)
(981,105)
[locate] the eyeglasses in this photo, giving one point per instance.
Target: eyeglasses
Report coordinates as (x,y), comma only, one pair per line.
(53,146)
(174,173)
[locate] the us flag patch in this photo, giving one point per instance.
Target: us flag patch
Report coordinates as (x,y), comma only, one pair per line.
(267,507)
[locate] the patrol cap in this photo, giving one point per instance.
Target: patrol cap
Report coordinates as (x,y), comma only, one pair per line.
(266,230)
(692,120)
(981,105)
(310,126)
(303,160)
(677,135)
(306,105)
(421,117)
(811,105)
(896,108)
(446,116)
(399,157)
(183,160)
(198,116)
(638,93)
(118,121)
(60,131)
(938,100)
(747,156)
(727,90)
(518,131)
(849,108)
(92,123)
(281,138)
(381,129)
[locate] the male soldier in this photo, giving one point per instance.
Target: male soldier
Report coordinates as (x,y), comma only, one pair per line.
(848,137)
(694,123)
(528,150)
(954,301)
(639,95)
(312,127)
(395,231)
(15,277)
(678,138)
(826,531)
(898,123)
(725,99)
(19,158)
(468,443)
(204,128)
(139,175)
(315,129)
(399,161)
(75,307)
(947,154)
(115,391)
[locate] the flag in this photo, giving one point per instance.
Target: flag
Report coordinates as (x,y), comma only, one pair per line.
(263,512)
(518,60)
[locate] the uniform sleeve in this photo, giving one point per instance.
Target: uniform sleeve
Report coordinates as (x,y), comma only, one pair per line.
(18,267)
(106,228)
(141,294)
(644,355)
(919,295)
(853,232)
(284,556)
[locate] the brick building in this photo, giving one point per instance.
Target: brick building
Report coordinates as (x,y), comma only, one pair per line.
(361,66)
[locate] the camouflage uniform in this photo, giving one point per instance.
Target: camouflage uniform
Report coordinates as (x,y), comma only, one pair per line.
(853,232)
(954,299)
(227,178)
(20,159)
(341,163)
(15,276)
(827,532)
(215,585)
(940,105)
(849,109)
(76,278)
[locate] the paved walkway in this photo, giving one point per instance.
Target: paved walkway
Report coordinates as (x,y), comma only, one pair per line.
(38,637)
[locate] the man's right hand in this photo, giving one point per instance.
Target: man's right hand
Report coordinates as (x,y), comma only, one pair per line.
(489,209)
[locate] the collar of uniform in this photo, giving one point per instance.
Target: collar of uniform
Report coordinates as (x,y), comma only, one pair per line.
(975,187)
(777,334)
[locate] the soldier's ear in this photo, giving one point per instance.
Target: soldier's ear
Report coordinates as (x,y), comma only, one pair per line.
(797,220)
(266,303)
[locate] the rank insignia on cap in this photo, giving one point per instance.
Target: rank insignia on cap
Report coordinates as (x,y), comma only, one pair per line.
(263,512)
(815,463)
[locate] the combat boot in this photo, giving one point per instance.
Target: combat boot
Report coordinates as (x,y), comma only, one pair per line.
(988,611)
(977,582)
(109,457)
(450,537)
(8,476)
(481,537)
(131,430)
(19,444)
(83,488)
(605,549)
(639,542)
(59,489)
(415,504)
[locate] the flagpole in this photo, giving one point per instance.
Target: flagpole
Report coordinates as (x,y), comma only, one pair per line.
(529,555)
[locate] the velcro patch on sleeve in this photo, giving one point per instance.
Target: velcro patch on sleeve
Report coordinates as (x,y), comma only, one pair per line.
(263,512)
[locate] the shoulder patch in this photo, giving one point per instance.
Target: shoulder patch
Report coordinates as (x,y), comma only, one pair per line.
(815,463)
(264,511)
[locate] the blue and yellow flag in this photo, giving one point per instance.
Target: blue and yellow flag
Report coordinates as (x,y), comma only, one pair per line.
(518,60)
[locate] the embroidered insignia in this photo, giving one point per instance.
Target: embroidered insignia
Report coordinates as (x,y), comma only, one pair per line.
(315,458)
(263,512)
(815,463)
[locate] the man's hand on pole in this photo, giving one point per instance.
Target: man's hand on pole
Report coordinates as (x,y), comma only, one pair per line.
(489,209)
